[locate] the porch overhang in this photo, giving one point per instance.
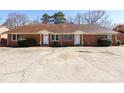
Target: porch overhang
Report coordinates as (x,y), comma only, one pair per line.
(78,32)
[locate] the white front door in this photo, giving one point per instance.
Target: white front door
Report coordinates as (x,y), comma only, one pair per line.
(45,39)
(77,40)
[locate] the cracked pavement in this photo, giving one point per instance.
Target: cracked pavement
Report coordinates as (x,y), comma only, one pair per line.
(65,64)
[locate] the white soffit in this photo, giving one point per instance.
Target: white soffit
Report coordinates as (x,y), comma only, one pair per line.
(78,32)
(44,32)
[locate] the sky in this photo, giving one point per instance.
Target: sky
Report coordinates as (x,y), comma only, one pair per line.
(116,16)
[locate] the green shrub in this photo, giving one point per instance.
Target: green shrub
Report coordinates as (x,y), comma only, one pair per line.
(104,42)
(22,43)
(27,42)
(118,42)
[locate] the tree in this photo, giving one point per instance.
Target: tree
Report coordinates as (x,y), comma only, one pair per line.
(70,20)
(96,17)
(45,18)
(78,19)
(35,21)
(58,18)
(16,19)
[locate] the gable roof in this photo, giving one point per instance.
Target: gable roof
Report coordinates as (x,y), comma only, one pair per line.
(119,28)
(3,29)
(62,28)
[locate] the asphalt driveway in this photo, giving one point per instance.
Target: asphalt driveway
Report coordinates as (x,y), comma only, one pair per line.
(65,64)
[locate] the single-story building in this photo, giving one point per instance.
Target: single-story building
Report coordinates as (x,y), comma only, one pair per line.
(63,34)
(120,28)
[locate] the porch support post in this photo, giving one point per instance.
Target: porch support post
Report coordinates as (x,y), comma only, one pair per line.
(49,36)
(116,39)
(61,39)
(82,39)
(40,40)
(74,39)
(8,39)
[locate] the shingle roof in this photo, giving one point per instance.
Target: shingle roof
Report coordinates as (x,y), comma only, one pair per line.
(62,28)
(119,28)
(3,29)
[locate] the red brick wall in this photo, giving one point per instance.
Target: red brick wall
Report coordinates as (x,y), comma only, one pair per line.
(121,38)
(10,42)
(51,42)
(34,36)
(91,40)
(37,37)
(87,39)
(14,43)
(114,39)
(61,41)
(68,43)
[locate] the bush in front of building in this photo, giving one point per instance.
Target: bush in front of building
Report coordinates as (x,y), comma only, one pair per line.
(104,42)
(28,42)
(118,43)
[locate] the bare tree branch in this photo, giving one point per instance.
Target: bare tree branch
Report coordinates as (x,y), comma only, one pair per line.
(96,17)
(16,19)
(78,19)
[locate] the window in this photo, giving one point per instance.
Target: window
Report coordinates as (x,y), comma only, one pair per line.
(16,37)
(67,37)
(55,37)
(52,37)
(109,36)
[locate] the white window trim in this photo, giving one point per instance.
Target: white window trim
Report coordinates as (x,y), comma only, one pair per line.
(109,36)
(67,40)
(55,38)
(16,37)
(12,37)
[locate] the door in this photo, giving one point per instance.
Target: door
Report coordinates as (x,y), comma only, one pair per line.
(45,39)
(77,40)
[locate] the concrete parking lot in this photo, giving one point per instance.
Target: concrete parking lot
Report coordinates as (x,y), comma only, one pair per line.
(65,64)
